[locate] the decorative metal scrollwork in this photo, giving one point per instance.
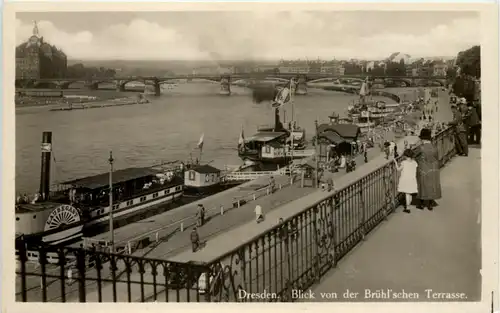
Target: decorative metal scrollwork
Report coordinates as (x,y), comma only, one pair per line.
(324,233)
(388,178)
(226,279)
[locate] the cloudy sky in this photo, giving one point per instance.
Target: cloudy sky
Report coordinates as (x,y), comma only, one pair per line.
(272,35)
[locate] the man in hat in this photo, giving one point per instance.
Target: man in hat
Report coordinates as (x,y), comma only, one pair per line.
(460,132)
(272,184)
(474,125)
(200,214)
(195,239)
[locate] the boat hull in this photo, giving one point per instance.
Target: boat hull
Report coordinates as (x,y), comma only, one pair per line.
(88,227)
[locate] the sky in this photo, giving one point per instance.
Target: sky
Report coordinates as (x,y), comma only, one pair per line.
(253,35)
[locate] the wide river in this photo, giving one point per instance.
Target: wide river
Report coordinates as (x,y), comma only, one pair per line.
(166,129)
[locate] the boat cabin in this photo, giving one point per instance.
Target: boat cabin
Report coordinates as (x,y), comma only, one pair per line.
(265,145)
(202,176)
(129,183)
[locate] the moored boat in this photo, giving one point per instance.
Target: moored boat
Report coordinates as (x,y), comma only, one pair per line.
(274,146)
(57,216)
(81,207)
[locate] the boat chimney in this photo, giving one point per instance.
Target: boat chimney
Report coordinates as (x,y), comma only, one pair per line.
(45,166)
(277,122)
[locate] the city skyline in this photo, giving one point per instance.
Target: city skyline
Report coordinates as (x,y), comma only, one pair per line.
(211,35)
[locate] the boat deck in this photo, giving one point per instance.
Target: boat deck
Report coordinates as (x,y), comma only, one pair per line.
(170,221)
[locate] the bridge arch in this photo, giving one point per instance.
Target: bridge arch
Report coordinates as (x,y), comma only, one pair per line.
(438,81)
(45,84)
(402,81)
(278,79)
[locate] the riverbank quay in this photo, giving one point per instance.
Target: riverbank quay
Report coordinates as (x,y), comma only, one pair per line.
(55,98)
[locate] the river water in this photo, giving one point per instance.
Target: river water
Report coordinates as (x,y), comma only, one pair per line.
(166,129)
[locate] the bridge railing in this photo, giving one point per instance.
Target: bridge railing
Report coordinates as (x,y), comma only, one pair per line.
(295,253)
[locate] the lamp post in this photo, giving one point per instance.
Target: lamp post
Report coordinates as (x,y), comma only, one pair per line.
(112,243)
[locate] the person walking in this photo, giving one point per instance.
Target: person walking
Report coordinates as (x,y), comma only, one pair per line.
(474,125)
(200,214)
(428,175)
(259,217)
(460,132)
(365,151)
(272,184)
(408,180)
(195,239)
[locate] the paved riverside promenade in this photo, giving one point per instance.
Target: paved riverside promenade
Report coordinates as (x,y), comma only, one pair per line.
(438,250)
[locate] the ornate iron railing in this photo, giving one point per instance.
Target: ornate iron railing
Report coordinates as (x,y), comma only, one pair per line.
(292,255)
(296,253)
(96,276)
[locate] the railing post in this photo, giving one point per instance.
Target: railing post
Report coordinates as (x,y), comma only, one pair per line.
(23,257)
(43,279)
(316,243)
(363,210)
(62,274)
(80,263)
(333,205)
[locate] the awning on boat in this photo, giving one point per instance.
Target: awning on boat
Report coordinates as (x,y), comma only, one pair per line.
(119,176)
(333,137)
(266,136)
(346,131)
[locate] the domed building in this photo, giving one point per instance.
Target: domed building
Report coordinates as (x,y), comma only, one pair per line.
(37,59)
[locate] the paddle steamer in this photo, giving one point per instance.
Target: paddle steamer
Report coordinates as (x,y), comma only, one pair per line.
(81,207)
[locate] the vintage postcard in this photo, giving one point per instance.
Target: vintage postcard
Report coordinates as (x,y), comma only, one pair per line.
(273,153)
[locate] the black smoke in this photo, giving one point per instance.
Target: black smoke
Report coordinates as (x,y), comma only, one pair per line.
(263,92)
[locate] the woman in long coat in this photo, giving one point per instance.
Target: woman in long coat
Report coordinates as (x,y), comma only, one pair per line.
(428,175)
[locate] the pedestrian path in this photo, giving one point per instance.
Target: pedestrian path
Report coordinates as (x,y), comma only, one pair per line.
(168,223)
(438,250)
(221,244)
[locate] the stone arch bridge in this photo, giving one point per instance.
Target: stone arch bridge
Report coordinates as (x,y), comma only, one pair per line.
(302,81)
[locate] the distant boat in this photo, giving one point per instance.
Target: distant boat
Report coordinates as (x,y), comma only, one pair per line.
(273,145)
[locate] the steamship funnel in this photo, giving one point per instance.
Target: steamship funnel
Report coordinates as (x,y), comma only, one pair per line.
(45,165)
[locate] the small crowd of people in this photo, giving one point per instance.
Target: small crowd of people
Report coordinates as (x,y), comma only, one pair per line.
(467,124)
(420,174)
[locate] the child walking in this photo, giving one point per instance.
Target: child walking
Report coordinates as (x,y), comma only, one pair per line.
(408,179)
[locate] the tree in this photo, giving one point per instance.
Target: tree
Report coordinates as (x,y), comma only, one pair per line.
(80,71)
(469,61)
(451,73)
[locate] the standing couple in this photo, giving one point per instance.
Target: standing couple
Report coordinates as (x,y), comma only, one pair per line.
(420,173)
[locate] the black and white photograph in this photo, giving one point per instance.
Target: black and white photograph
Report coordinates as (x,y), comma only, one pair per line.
(252,153)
